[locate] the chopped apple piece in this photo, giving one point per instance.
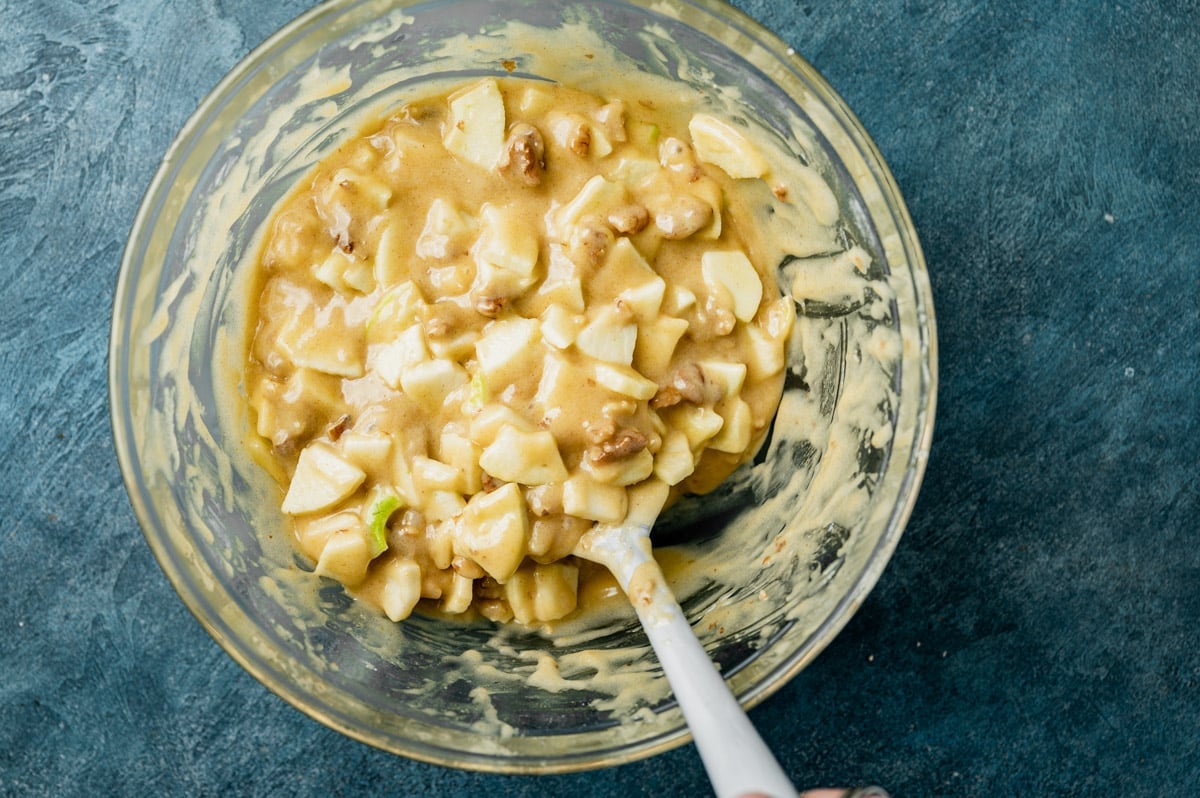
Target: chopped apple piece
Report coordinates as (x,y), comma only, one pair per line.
(677,300)
(443,505)
(765,355)
(597,197)
(429,382)
(506,242)
(646,502)
(624,381)
(539,593)
(488,422)
(719,143)
(322,479)
(560,326)
(584,497)
(448,232)
(457,450)
(563,284)
(430,475)
(345,557)
(609,338)
(699,424)
(656,344)
(457,599)
(674,462)
(530,458)
(732,271)
(369,451)
(392,361)
(728,377)
(622,471)
(401,588)
(324,341)
(508,349)
(493,531)
(735,433)
(395,312)
(364,187)
(475,129)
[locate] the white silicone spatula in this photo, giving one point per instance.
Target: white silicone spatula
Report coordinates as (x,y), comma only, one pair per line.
(738,762)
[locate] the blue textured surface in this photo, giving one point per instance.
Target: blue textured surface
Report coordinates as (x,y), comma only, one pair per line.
(1035,633)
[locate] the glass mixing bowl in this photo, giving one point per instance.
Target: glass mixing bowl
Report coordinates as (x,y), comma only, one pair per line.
(769,568)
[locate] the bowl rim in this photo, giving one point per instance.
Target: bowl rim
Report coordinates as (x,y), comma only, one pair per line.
(153,205)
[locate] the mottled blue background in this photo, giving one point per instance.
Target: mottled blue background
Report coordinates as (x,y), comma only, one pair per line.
(1036,632)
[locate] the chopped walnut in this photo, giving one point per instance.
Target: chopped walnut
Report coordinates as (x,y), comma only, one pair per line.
(524,154)
(489,306)
(339,426)
(625,442)
(629,219)
(686,384)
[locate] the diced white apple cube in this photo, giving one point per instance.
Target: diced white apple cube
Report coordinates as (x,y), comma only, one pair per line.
(506,241)
(646,502)
(727,376)
(369,451)
(401,588)
(392,361)
(439,541)
(456,448)
(563,284)
(457,599)
(736,432)
(345,557)
(625,381)
(442,505)
(324,341)
(644,300)
(375,193)
(396,311)
(623,471)
(596,198)
(402,478)
(530,458)
(678,299)
(656,344)
(430,475)
(487,423)
(608,337)
(360,276)
(560,326)
(674,461)
(732,271)
(448,232)
(540,593)
(719,143)
(584,497)
(475,129)
(764,355)
(429,382)
(493,531)
(391,265)
(314,531)
(508,349)
(698,423)
(322,479)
